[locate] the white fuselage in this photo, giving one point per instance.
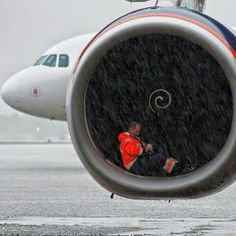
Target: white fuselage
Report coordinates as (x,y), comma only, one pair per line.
(40,90)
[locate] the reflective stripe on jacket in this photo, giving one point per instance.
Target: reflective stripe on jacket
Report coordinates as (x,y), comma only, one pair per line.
(130,149)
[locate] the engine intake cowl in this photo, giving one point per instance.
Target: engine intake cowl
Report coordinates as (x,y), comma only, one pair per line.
(172,70)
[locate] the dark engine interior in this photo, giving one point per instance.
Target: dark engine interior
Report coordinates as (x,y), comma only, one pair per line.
(193,127)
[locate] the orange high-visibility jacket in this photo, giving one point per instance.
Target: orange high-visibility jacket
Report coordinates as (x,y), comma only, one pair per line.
(130,148)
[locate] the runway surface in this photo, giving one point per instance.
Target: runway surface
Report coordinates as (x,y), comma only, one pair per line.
(44,190)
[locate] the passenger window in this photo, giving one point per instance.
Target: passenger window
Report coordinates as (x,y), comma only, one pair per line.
(40,60)
(63,60)
(51,61)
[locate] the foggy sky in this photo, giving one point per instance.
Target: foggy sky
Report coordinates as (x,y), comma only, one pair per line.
(30,27)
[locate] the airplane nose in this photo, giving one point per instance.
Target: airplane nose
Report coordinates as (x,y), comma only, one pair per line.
(6,93)
(10,94)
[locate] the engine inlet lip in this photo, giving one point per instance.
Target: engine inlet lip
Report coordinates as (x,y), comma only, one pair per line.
(126,184)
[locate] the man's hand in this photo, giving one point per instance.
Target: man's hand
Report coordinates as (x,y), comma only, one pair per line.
(149,148)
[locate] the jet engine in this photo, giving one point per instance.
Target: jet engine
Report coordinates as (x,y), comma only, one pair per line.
(172,70)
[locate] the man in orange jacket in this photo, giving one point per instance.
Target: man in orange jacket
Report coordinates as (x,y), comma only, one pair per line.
(132,149)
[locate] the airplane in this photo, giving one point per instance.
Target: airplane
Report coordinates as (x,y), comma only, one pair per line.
(34,96)
(172,68)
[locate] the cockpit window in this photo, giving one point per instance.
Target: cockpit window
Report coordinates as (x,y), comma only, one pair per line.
(51,61)
(40,60)
(63,60)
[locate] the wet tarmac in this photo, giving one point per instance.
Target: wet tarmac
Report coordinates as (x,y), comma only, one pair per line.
(44,190)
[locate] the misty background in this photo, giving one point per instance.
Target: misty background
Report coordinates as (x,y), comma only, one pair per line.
(30,27)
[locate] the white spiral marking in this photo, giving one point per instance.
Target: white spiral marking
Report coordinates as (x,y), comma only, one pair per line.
(159,98)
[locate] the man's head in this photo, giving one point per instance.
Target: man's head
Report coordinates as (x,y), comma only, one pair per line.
(134,128)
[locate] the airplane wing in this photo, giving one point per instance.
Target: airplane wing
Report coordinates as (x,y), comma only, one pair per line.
(233,28)
(137,0)
(197,5)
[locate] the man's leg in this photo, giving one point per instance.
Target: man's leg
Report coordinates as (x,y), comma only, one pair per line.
(154,164)
(136,168)
(148,165)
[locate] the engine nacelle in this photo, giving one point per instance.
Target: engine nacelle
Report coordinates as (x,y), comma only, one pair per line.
(174,71)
